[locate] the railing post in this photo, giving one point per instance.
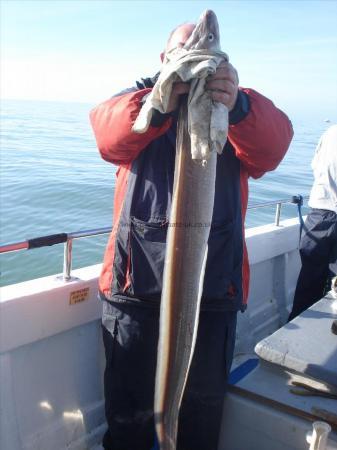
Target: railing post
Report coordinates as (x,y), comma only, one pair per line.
(67,259)
(278,214)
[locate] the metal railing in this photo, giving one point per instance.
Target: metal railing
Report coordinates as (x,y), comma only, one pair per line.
(52,239)
(295,200)
(67,238)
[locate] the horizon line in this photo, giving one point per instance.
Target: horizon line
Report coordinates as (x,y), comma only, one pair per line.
(86,102)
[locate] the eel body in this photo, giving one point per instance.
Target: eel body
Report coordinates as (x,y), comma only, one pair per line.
(185,260)
(186,254)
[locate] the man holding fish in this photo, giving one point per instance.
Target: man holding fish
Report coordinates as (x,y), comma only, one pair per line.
(158,222)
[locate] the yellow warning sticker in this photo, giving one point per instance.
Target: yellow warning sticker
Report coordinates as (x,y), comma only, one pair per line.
(79,296)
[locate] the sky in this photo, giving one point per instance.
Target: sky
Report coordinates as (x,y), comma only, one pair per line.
(88,50)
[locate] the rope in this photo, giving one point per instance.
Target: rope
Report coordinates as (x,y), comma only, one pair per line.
(298,200)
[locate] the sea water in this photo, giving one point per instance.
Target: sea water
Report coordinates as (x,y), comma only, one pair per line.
(53,180)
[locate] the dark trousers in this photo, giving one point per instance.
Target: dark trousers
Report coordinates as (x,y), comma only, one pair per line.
(130,334)
(318,251)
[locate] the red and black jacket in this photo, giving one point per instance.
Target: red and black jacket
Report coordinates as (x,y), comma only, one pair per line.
(259,136)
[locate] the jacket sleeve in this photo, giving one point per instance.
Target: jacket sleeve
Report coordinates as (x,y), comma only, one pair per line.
(262,138)
(112,122)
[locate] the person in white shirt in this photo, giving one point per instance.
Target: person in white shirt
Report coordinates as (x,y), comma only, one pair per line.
(318,246)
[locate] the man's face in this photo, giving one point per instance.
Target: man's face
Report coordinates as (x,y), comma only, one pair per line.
(179,37)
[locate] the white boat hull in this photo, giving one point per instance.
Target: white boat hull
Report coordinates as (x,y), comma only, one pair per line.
(51,354)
